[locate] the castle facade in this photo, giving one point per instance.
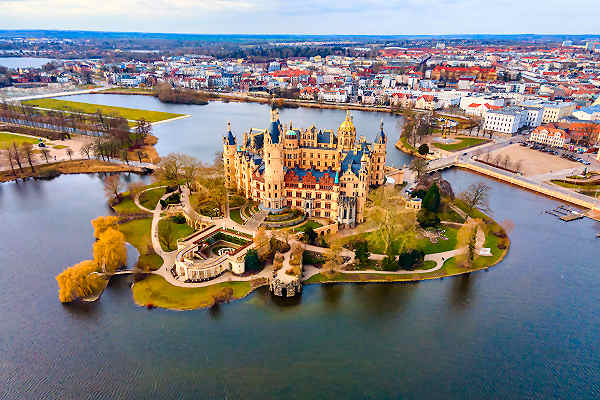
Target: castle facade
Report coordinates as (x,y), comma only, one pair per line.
(322,173)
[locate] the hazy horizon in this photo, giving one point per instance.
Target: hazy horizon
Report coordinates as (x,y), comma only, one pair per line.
(362,17)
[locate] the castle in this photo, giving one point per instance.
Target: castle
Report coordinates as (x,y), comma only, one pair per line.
(324,174)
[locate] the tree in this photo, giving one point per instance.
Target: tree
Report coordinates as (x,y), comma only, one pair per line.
(361,252)
(169,169)
(102,223)
(262,244)
(79,281)
(411,259)
(418,166)
(27,151)
(113,187)
(110,252)
(17,155)
(394,224)
(86,150)
(134,188)
(140,154)
(424,149)
(309,236)
(477,196)
(69,152)
(125,156)
(167,235)
(190,170)
(466,238)
(333,257)
(431,201)
(251,261)
(10,161)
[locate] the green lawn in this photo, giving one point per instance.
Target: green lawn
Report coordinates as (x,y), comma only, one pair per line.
(442,245)
(575,185)
(6,139)
(310,223)
(127,206)
(133,114)
(235,215)
(137,232)
(178,231)
(150,198)
(463,143)
(157,291)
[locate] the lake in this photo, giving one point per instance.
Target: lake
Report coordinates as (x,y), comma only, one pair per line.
(24,62)
(527,328)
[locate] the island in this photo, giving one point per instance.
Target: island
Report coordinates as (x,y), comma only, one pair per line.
(284,207)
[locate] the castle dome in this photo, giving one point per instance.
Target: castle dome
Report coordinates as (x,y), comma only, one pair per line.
(347,126)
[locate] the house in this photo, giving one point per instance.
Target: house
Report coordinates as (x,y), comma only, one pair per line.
(508,120)
(427,102)
(549,135)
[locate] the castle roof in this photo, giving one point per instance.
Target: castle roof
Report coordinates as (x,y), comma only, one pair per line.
(230,137)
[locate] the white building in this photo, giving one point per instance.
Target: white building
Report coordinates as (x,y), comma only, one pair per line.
(553,111)
(549,135)
(507,120)
(588,113)
(466,101)
(534,117)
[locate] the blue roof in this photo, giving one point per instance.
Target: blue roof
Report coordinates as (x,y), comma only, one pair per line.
(274,131)
(315,172)
(230,138)
(352,160)
(380,138)
(323,137)
(590,109)
(258,141)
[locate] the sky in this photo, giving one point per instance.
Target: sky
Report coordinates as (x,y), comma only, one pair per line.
(378,17)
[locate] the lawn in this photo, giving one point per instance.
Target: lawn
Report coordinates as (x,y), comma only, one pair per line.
(568,185)
(137,233)
(463,143)
(235,215)
(150,198)
(178,231)
(308,224)
(442,245)
(157,291)
(6,139)
(127,206)
(132,114)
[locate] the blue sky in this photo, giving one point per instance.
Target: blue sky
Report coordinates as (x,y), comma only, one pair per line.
(306,16)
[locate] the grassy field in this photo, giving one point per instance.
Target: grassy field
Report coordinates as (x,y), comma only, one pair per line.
(575,186)
(6,139)
(308,224)
(133,114)
(463,143)
(235,215)
(157,291)
(442,245)
(179,231)
(150,198)
(137,232)
(127,206)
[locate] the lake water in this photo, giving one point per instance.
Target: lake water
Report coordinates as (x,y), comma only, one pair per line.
(527,328)
(24,62)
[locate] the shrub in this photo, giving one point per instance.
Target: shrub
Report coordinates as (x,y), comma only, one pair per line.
(309,236)
(431,201)
(427,218)
(423,149)
(178,219)
(312,258)
(411,259)
(279,246)
(251,261)
(389,263)
(278,261)
(361,252)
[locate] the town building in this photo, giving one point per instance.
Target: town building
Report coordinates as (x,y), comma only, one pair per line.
(322,173)
(508,120)
(549,135)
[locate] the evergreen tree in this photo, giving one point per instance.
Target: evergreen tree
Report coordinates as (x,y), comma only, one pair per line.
(251,261)
(361,252)
(431,202)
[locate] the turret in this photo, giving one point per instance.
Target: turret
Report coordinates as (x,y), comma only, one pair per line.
(346,133)
(229,159)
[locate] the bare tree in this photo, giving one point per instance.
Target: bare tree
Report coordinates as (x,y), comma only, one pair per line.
(506,161)
(419,166)
(140,154)
(17,156)
(45,153)
(10,160)
(86,150)
(477,196)
(113,187)
(69,152)
(518,165)
(27,151)
(125,156)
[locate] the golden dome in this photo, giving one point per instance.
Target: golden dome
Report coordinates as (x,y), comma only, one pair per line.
(347,126)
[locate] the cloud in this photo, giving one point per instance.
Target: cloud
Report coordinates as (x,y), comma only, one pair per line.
(305,16)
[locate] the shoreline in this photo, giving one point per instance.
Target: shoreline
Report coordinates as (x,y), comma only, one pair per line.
(69,168)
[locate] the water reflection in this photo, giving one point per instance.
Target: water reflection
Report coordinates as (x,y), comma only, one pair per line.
(461,291)
(383,300)
(332,295)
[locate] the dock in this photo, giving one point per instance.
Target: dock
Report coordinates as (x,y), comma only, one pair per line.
(565,213)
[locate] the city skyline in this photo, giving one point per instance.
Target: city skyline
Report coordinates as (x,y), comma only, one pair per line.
(364,17)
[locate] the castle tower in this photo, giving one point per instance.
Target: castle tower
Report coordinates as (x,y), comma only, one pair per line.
(229,158)
(346,134)
(273,158)
(378,158)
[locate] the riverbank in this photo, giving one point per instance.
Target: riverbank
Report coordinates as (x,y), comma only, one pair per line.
(52,170)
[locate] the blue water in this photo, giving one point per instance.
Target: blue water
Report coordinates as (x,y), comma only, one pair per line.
(23,62)
(527,328)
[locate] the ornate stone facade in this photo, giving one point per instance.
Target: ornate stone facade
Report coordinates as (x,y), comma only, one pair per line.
(325,174)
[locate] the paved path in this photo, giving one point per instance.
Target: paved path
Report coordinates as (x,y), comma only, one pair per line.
(254,221)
